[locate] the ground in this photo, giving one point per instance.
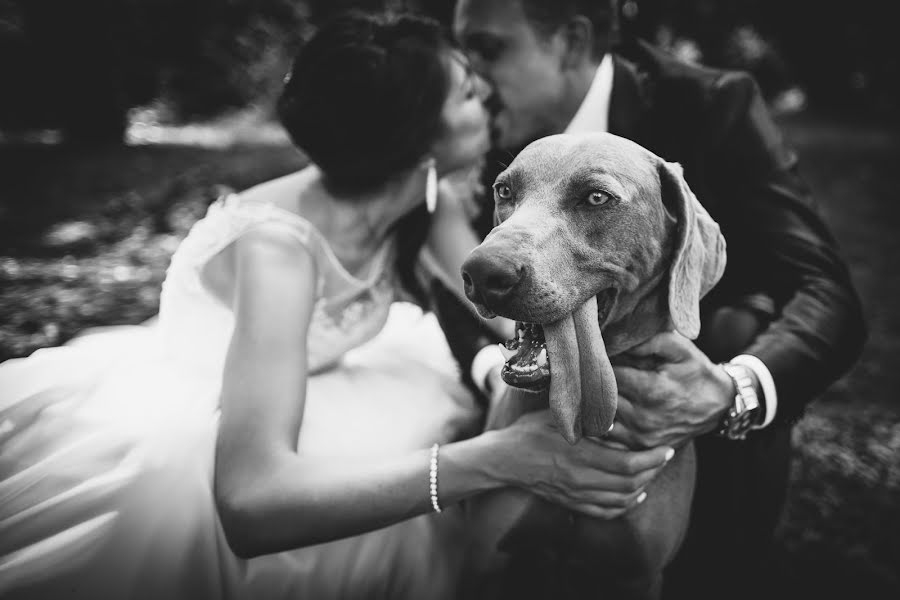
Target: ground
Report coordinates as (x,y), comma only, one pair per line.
(87,235)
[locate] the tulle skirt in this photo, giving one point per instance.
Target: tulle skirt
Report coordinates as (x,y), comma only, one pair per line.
(106,466)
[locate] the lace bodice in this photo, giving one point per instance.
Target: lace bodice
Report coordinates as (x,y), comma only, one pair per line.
(196,327)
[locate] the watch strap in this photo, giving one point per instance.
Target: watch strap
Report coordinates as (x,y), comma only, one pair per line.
(745,409)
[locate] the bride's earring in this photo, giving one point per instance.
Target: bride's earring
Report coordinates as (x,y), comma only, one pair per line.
(431,187)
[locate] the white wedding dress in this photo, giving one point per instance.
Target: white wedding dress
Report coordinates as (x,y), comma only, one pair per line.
(107,443)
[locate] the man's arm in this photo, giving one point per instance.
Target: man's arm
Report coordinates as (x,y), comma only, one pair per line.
(778,246)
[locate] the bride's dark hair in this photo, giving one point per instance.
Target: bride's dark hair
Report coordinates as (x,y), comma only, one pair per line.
(365,95)
(364,102)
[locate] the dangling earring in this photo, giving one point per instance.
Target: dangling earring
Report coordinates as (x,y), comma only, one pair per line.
(431,187)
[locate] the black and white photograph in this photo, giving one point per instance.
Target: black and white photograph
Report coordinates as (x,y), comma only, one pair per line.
(449,300)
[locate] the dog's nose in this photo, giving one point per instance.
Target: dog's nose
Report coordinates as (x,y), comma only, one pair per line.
(490,278)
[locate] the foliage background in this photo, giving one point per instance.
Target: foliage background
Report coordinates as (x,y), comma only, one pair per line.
(80,66)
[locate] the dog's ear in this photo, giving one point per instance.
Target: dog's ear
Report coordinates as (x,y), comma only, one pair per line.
(699,258)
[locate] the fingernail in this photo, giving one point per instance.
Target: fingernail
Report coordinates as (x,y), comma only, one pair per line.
(669,454)
(642,497)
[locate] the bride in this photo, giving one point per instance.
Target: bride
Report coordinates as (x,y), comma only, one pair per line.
(286,428)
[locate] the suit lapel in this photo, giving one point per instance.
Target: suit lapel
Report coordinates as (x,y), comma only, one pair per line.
(630,101)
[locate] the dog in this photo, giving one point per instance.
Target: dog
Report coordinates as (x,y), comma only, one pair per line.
(602,244)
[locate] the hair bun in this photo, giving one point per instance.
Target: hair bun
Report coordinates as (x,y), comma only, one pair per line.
(365,95)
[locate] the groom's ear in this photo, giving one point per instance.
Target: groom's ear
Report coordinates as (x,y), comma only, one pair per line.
(578,35)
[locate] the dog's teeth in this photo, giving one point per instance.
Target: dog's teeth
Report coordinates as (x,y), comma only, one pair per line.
(542,358)
(506,352)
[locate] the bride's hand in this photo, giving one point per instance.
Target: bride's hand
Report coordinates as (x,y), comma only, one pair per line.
(589,477)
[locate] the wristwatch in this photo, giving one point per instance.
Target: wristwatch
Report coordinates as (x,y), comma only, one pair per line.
(746,410)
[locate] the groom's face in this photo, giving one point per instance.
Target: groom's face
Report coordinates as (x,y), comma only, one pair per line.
(524,66)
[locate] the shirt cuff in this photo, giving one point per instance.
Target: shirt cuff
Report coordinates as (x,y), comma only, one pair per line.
(770,397)
(487,359)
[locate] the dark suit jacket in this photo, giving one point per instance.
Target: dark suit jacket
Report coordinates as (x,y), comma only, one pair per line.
(717,126)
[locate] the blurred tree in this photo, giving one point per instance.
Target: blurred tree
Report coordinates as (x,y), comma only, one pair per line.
(321,10)
(841,53)
(80,66)
(723,34)
(844,52)
(64,65)
(238,55)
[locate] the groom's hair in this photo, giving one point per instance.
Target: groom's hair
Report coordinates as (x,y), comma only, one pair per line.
(548,15)
(365,96)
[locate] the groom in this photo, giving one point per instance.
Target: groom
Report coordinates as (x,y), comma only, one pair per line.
(785,318)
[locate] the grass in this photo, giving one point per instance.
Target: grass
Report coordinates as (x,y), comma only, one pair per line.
(86,237)
(840,532)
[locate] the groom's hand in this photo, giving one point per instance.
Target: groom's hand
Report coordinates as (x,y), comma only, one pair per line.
(675,395)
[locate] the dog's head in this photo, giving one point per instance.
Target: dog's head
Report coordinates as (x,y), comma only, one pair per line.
(590,227)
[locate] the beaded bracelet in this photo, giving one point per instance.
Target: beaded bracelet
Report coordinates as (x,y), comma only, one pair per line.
(433,477)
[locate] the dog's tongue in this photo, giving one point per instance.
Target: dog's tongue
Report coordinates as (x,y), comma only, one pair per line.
(583,390)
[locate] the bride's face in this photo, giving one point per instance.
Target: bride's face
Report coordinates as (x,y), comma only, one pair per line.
(465,135)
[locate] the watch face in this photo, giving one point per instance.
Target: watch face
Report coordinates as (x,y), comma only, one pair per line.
(737,425)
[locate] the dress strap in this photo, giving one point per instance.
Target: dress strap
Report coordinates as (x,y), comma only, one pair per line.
(377,265)
(230,217)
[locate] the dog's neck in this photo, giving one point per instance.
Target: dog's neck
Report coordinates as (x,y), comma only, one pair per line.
(647,314)
(649,317)
(637,321)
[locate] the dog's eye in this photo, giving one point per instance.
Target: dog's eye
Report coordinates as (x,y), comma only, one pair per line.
(503,191)
(598,198)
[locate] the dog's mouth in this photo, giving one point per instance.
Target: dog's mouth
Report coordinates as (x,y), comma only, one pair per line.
(527,360)
(527,365)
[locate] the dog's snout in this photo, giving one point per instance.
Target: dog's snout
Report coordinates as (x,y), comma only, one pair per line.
(490,279)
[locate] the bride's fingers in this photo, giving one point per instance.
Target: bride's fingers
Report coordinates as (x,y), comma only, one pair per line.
(591,510)
(624,462)
(602,510)
(606,482)
(613,500)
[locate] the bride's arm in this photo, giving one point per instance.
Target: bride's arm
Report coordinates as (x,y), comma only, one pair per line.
(450,241)
(271,498)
